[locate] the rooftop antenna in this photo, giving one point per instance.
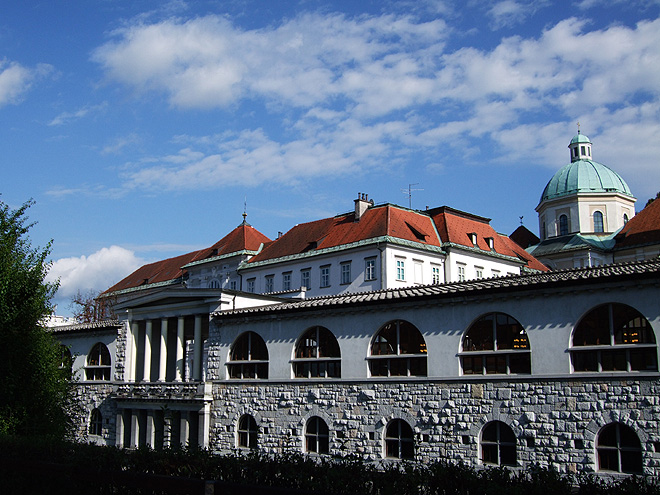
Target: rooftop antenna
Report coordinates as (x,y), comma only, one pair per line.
(408,192)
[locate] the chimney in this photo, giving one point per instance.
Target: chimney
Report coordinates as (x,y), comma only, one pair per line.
(362,203)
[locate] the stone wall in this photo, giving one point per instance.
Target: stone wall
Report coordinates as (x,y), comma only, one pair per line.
(555,420)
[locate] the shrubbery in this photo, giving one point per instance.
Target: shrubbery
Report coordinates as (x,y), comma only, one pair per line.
(290,472)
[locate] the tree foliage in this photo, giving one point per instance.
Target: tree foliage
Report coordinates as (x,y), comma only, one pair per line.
(651,200)
(35,390)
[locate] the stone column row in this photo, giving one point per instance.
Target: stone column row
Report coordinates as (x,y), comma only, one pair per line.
(136,428)
(148,342)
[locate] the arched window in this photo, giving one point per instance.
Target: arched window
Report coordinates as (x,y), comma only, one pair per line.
(399,440)
(214,284)
(398,349)
(247,432)
(498,444)
(317,436)
(625,218)
(317,355)
(619,449)
(98,363)
(614,337)
(598,222)
(248,357)
(563,225)
(66,359)
(495,344)
(96,423)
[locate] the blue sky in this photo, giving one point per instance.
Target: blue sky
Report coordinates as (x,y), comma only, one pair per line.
(142,128)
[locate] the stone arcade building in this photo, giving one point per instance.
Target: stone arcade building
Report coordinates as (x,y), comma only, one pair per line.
(556,368)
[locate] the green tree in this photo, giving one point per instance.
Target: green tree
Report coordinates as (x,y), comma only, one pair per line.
(35,389)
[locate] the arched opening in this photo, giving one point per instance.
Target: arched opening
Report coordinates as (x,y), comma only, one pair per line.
(317,355)
(398,349)
(248,358)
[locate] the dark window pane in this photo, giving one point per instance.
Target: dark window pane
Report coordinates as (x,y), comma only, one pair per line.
(594,328)
(585,361)
(520,364)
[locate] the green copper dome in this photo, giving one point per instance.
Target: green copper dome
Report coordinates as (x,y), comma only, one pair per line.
(579,138)
(584,176)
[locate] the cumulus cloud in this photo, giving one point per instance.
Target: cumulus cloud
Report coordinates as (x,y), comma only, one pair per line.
(96,272)
(354,93)
(16,80)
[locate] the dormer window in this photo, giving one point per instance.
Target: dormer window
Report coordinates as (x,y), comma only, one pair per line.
(473,238)
(491,243)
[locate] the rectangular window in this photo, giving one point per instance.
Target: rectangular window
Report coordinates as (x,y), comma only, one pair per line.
(325,276)
(479,272)
(418,272)
(461,273)
(232,285)
(400,270)
(370,269)
(306,278)
(346,273)
(286,281)
(250,285)
(496,273)
(436,274)
(270,283)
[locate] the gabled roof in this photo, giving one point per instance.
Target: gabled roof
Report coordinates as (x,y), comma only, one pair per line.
(376,222)
(524,237)
(642,229)
(172,270)
(459,228)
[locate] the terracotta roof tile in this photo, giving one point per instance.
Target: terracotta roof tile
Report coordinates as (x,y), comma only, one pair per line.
(243,237)
(643,228)
(377,221)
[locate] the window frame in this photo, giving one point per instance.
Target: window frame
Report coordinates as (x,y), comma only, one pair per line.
(399,440)
(250,367)
(498,446)
(563,224)
(401,270)
(247,433)
(599,222)
(251,283)
(317,441)
(493,357)
(345,273)
(96,367)
(306,278)
(95,423)
(316,360)
(622,453)
(591,357)
(269,284)
(370,269)
(325,276)
(286,281)
(389,362)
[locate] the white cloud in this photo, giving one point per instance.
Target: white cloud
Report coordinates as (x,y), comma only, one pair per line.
(97,272)
(16,80)
(67,117)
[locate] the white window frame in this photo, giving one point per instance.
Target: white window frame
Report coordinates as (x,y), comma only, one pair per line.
(370,269)
(325,276)
(346,273)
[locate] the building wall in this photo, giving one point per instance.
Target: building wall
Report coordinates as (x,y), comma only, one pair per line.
(555,420)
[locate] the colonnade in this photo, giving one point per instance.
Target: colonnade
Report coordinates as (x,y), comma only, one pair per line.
(153,350)
(162,428)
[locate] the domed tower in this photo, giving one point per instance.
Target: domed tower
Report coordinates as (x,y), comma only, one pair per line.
(584,197)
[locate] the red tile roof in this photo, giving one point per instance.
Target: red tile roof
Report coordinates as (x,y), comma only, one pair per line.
(244,237)
(643,228)
(377,221)
(456,227)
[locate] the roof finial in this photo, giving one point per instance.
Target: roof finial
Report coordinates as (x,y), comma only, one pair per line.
(521,217)
(578,124)
(245,210)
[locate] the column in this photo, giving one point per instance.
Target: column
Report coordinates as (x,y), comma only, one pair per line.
(204,423)
(199,346)
(119,429)
(185,428)
(131,356)
(179,349)
(151,430)
(135,429)
(162,355)
(147,351)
